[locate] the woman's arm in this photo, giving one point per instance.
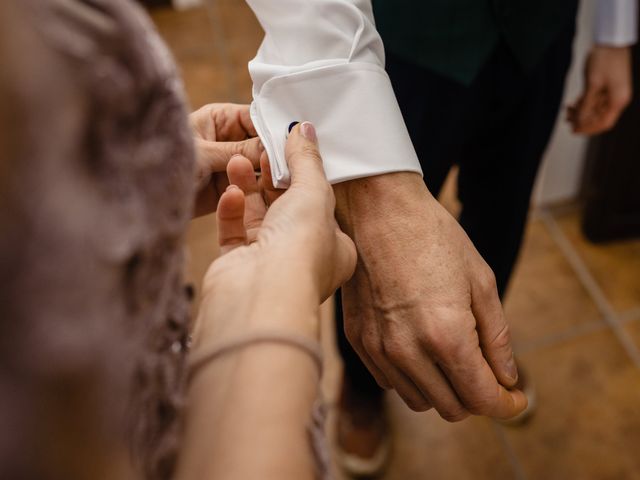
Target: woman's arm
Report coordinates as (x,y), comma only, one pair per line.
(249,409)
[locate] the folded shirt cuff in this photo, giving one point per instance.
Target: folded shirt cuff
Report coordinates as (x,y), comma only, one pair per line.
(361,132)
(616,23)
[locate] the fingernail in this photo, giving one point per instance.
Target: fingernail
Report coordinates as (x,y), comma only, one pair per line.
(512,369)
(308,131)
(291,125)
(231,187)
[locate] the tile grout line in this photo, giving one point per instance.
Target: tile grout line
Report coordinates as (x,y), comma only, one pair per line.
(512,457)
(557,338)
(592,287)
(630,316)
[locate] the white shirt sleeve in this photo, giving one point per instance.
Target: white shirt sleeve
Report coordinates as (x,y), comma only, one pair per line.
(323,61)
(616,22)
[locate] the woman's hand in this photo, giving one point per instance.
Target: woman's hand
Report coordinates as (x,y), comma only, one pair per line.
(278,264)
(220,130)
(291,255)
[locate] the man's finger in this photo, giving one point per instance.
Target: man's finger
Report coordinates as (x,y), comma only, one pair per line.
(493,330)
(477,387)
(391,360)
(617,101)
(271,193)
(433,385)
(230,219)
(232,122)
(415,399)
(588,107)
(213,157)
(244,118)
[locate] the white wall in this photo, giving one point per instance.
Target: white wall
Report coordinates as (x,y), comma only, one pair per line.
(563,163)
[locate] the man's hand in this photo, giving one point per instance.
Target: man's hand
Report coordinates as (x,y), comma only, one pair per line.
(608,90)
(220,131)
(422,309)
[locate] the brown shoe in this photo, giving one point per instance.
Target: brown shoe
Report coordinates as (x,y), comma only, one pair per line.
(363,445)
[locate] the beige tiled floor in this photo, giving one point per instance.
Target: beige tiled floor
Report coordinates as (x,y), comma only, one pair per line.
(616,267)
(543,278)
(574,307)
(633,329)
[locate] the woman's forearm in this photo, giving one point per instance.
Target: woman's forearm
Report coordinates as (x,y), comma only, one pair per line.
(248,410)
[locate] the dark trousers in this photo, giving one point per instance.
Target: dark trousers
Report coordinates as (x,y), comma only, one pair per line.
(496,131)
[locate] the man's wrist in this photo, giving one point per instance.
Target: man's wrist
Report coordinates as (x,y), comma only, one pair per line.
(363,201)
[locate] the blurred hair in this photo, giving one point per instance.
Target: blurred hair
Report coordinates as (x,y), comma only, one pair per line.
(96,186)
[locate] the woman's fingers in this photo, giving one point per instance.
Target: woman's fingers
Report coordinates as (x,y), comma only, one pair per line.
(241,173)
(347,257)
(303,156)
(230,219)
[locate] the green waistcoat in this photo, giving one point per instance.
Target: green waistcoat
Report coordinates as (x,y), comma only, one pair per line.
(455,37)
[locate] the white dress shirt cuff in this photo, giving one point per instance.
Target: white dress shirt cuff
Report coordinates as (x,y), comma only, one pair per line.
(616,23)
(360,129)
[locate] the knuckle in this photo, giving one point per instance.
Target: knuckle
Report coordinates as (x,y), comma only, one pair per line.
(381,381)
(454,415)
(477,408)
(488,284)
(247,148)
(502,340)
(237,148)
(421,405)
(393,349)
(482,405)
(442,344)
(432,336)
(371,344)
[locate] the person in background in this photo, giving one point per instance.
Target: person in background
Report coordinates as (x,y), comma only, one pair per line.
(479,84)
